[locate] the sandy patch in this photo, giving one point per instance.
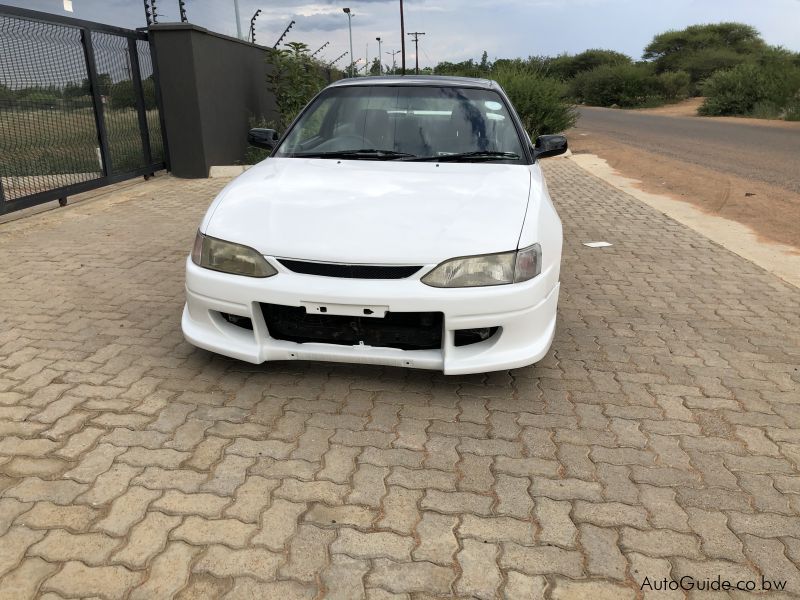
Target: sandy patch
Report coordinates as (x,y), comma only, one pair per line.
(772,212)
(689,107)
(779,259)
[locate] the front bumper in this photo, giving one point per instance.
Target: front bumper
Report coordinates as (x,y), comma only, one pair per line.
(525,314)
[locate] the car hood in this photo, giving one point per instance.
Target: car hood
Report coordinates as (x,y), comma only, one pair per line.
(373,211)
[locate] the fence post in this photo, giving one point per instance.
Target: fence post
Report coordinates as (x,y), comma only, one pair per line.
(141,107)
(97,100)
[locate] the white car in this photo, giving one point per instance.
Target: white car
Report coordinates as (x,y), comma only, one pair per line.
(400,221)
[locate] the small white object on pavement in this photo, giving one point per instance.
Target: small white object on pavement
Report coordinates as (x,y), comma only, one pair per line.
(597,244)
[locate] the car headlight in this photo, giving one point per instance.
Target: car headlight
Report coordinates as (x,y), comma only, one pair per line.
(488,269)
(227,257)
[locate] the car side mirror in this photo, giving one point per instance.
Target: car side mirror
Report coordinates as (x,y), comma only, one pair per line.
(550,145)
(263,138)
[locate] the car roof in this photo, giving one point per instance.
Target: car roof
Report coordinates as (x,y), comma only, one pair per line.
(418,80)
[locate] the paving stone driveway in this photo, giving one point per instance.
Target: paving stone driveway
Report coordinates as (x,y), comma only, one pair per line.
(660,437)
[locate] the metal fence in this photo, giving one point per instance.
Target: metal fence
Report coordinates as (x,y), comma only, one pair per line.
(79,107)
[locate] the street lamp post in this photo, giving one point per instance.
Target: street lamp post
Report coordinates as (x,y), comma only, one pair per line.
(238,22)
(394,61)
(350,26)
(380,57)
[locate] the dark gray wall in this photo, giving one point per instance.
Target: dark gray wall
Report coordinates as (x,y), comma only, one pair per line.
(211,86)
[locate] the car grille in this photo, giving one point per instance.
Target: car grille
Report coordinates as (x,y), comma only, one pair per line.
(403,330)
(349,271)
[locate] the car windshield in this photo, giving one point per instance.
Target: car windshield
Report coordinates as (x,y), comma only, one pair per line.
(382,122)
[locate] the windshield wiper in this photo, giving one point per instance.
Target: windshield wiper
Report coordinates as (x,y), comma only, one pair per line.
(367,154)
(476,155)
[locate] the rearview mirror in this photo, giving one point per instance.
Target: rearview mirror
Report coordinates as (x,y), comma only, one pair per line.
(550,145)
(263,138)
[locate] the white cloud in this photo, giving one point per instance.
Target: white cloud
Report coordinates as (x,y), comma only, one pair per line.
(460,29)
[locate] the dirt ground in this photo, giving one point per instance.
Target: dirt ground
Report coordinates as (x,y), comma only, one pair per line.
(690,106)
(685,108)
(772,212)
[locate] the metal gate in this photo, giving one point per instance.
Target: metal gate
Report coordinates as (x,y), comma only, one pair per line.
(79,107)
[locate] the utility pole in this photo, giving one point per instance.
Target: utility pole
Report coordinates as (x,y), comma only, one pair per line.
(394,62)
(403,36)
(350,26)
(416,35)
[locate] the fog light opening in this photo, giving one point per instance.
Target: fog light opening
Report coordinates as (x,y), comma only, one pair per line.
(243,322)
(467,337)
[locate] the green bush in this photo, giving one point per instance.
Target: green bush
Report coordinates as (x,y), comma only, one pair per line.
(701,64)
(673,85)
(566,66)
(294,78)
(752,89)
(793,110)
(541,101)
(123,94)
(620,85)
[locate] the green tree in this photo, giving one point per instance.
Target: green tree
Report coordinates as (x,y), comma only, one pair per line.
(6,95)
(700,50)
(467,68)
(485,65)
(375,67)
(123,94)
(567,66)
(73,90)
(294,78)
(104,84)
(540,101)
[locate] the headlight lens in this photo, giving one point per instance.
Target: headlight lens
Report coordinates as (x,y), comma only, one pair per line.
(488,269)
(227,257)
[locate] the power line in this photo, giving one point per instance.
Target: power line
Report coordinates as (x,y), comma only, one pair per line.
(416,35)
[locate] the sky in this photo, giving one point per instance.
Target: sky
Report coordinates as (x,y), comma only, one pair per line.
(456,30)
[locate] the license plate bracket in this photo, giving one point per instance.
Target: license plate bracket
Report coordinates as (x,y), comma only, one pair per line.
(345,310)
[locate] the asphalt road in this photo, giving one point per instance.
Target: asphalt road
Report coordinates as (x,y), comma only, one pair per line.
(767,153)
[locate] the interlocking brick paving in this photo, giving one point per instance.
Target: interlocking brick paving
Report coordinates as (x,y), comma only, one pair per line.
(659,438)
